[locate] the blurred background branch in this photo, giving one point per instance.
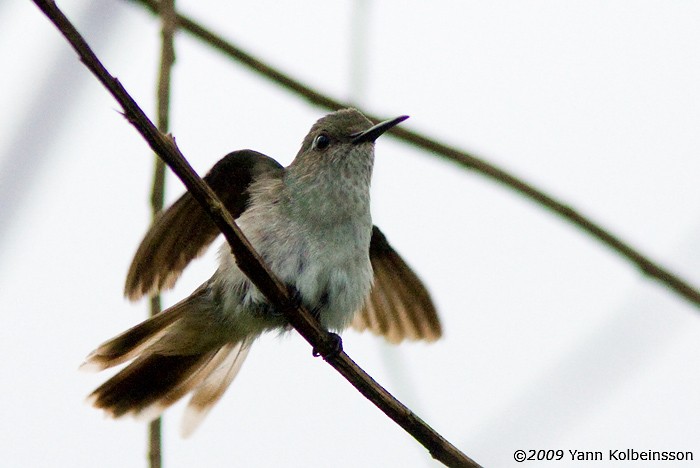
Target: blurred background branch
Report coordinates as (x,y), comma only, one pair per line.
(166,11)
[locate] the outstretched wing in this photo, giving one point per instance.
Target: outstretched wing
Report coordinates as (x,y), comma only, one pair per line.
(399,306)
(184,231)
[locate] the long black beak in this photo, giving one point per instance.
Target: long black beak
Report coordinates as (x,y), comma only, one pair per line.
(375,132)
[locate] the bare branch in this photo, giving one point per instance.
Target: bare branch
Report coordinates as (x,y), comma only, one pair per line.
(167,59)
(462,158)
(249,261)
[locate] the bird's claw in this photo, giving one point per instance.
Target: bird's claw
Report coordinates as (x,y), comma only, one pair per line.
(334,348)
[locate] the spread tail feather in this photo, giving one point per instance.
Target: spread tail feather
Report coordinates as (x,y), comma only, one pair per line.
(142,388)
(134,341)
(165,366)
(210,391)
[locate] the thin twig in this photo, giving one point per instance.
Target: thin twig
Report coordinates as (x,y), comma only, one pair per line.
(250,262)
(462,158)
(167,59)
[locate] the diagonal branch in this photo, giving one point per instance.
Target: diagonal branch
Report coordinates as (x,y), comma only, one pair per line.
(647,266)
(249,261)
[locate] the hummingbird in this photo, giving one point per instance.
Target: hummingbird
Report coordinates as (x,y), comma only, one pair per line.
(311,224)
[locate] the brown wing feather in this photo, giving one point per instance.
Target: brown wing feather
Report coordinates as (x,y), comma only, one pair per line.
(389,306)
(184,231)
(399,306)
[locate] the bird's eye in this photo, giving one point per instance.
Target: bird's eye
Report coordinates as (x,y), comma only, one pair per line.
(322,141)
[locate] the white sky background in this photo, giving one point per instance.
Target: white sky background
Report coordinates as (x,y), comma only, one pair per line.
(550,340)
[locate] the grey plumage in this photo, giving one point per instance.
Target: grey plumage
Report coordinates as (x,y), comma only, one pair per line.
(311,224)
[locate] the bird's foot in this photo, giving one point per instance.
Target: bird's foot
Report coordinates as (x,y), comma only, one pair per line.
(332,349)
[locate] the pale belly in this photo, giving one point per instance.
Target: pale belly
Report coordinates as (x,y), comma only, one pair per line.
(333,279)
